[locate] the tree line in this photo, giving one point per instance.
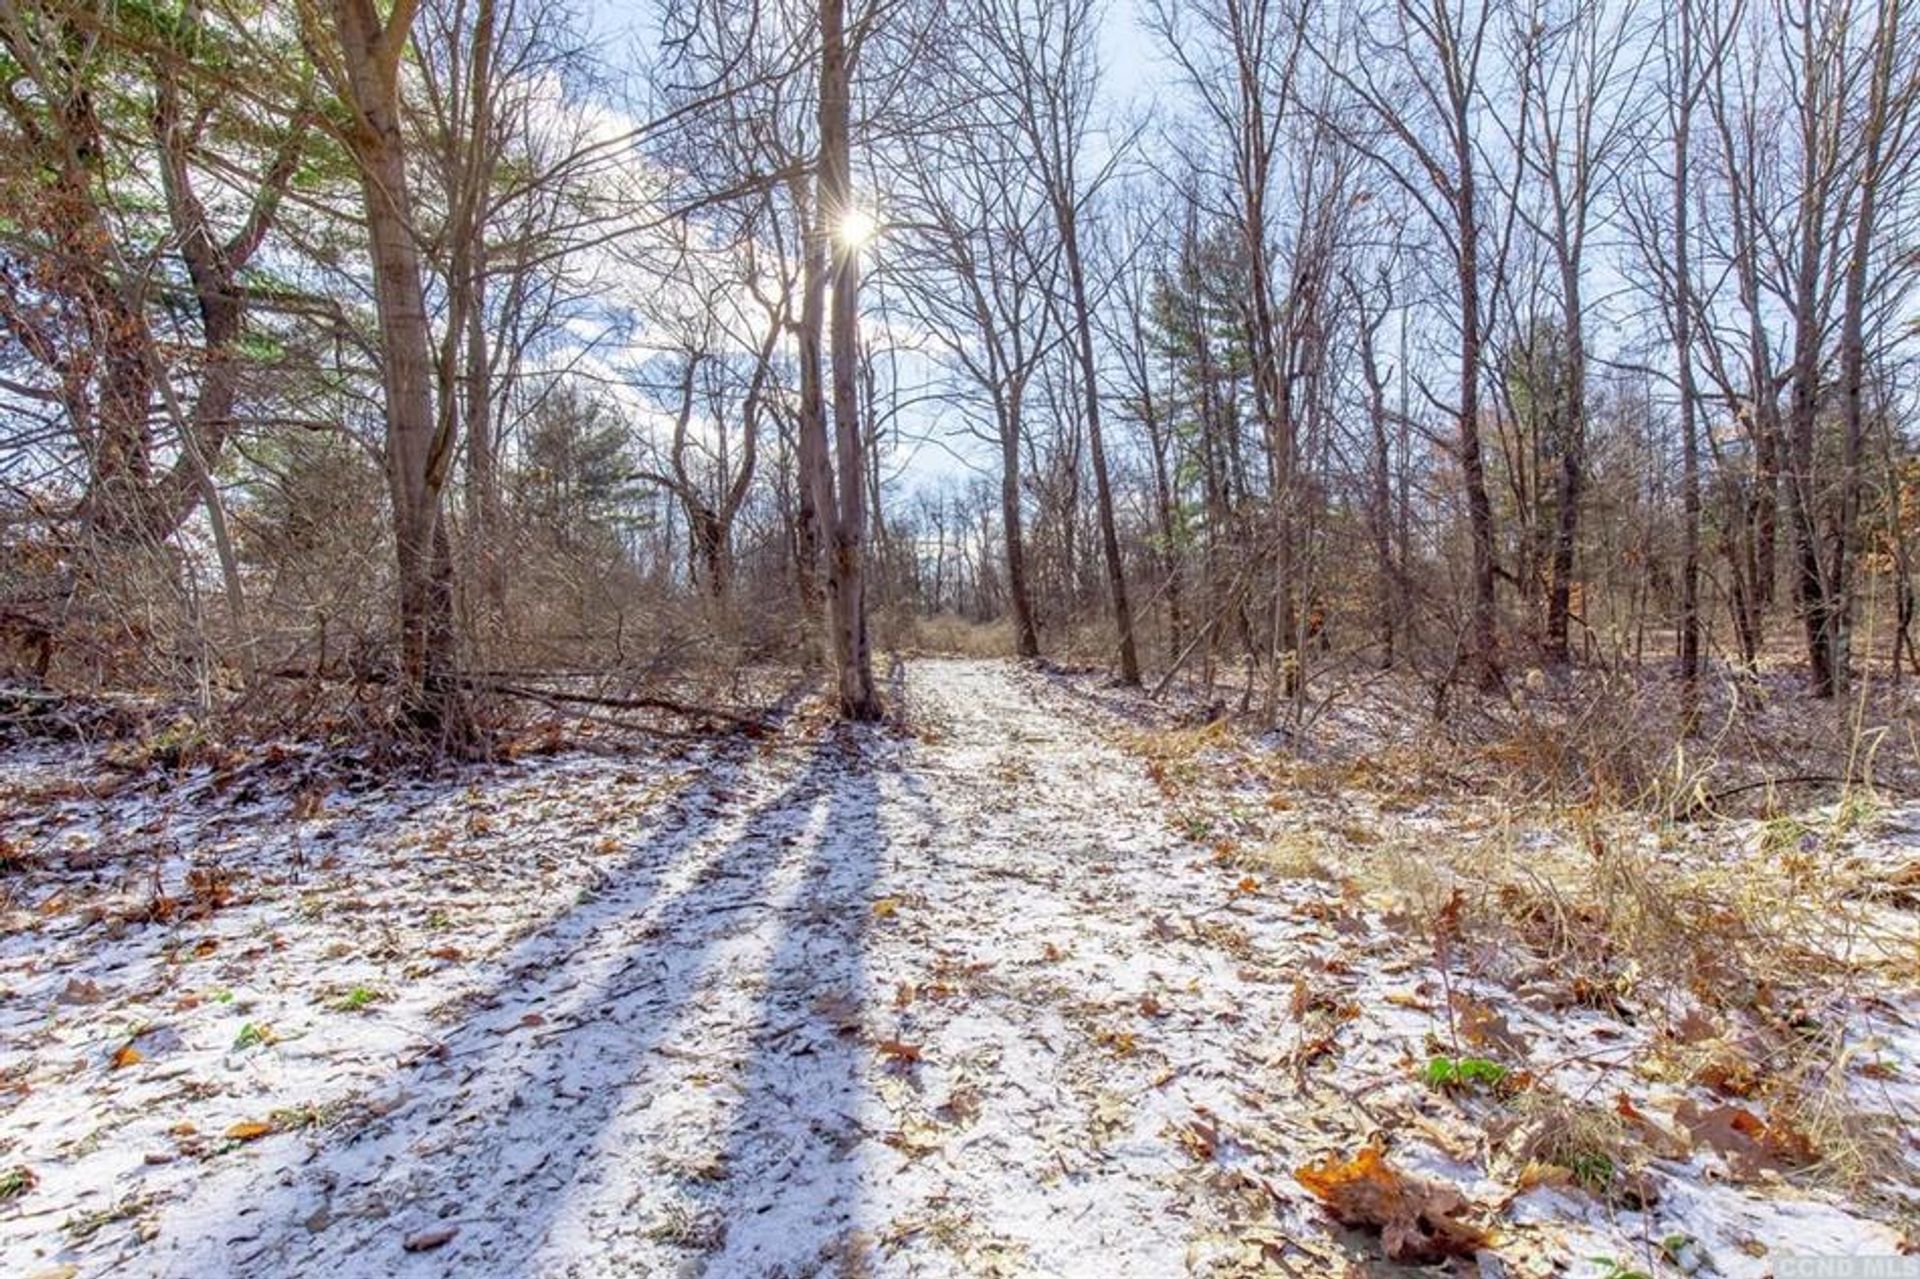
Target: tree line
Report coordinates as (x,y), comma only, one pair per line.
(429,340)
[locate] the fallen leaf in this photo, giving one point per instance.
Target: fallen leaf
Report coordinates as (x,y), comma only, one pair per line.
(127,1056)
(839,1010)
(248,1130)
(1695,1027)
(915,1137)
(428,1240)
(1537,1174)
(1484,1027)
(1749,1143)
(886,907)
(1662,1140)
(895,1050)
(1200,1135)
(1418,1219)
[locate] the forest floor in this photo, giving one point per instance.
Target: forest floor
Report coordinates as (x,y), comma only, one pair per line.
(1035,984)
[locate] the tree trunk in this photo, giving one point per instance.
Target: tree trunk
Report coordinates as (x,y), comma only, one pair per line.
(418,451)
(1027,636)
(812,429)
(1096,445)
(1486,654)
(846,510)
(1683,355)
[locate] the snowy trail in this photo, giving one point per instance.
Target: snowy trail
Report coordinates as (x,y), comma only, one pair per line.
(967,1000)
(888,1004)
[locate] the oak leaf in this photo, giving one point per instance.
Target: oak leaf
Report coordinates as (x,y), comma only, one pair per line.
(1418,1219)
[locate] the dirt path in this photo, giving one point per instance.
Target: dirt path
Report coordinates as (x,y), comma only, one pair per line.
(897,1003)
(963,1001)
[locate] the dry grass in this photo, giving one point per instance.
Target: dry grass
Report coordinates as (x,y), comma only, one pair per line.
(949,635)
(1584,856)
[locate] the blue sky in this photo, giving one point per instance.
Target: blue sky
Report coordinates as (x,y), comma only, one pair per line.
(1134,75)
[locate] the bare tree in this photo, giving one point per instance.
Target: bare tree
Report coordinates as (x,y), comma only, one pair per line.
(839,470)
(1415,68)
(361,56)
(994,266)
(1044,70)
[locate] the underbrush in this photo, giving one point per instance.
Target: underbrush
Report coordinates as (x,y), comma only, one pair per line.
(1584,862)
(949,634)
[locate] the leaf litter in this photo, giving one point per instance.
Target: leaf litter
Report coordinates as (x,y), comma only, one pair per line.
(991,995)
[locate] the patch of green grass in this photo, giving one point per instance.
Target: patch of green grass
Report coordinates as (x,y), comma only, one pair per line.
(1594,1171)
(251,1036)
(1682,1252)
(1611,1269)
(1456,1074)
(1780,835)
(16,1181)
(294,1118)
(357,999)
(88,1224)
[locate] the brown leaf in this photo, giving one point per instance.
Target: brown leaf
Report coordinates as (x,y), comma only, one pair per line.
(895,1050)
(248,1130)
(1660,1139)
(1200,1135)
(1749,1143)
(80,990)
(428,1240)
(127,1056)
(1695,1027)
(1418,1219)
(1537,1174)
(1484,1027)
(840,1010)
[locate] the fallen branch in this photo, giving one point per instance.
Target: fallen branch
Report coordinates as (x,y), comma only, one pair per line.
(1799,779)
(556,697)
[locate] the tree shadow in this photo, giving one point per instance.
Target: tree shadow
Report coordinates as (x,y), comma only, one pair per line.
(515,1132)
(793,1177)
(796,1188)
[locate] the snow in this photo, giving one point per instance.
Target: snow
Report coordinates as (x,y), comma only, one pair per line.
(960,999)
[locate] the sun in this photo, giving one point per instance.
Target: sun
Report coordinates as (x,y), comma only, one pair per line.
(858,228)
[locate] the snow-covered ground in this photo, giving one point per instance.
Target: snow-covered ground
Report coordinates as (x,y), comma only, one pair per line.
(968,999)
